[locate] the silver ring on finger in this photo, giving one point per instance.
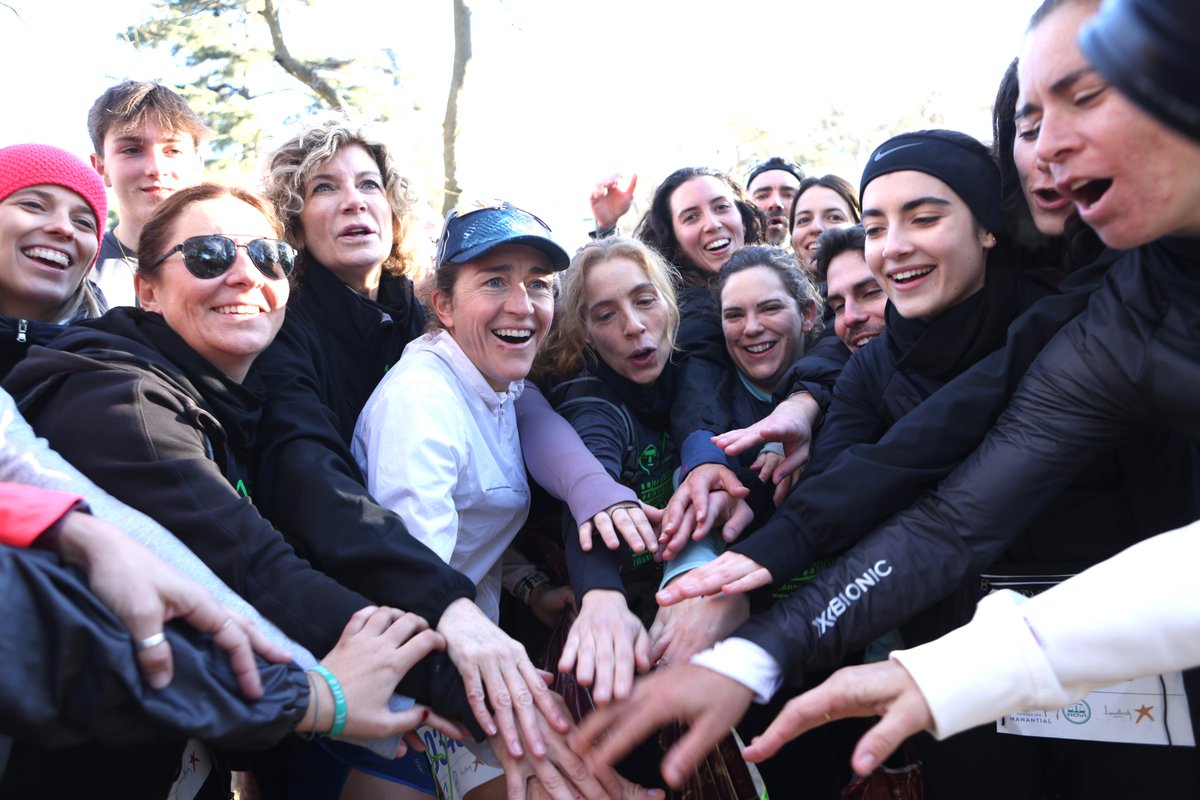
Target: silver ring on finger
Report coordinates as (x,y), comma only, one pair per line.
(151,641)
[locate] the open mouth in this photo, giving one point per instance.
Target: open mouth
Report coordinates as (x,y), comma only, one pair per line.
(356,230)
(1050,198)
(909,275)
(862,341)
(513,335)
(643,357)
(1088,191)
(51,258)
(717,245)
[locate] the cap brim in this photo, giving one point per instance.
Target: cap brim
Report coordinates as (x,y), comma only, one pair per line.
(559,260)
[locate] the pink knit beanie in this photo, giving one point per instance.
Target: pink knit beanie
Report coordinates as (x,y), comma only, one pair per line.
(24,165)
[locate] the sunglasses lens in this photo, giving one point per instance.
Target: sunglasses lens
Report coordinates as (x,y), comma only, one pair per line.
(208,256)
(274,258)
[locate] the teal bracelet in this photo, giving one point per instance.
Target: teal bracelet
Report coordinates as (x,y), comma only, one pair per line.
(339,700)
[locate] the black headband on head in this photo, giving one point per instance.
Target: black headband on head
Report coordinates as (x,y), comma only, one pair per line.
(949,157)
(778,163)
(1148,49)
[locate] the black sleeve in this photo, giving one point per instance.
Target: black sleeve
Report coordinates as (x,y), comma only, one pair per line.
(604,431)
(921,448)
(1076,402)
(310,487)
(853,418)
(703,395)
(72,675)
(125,431)
(817,371)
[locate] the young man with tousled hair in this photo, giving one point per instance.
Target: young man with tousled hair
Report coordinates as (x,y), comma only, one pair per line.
(146,145)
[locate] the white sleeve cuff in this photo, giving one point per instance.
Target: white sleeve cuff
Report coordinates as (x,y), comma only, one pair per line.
(990,667)
(745,662)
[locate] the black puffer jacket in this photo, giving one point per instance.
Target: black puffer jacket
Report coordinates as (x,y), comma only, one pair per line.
(1127,366)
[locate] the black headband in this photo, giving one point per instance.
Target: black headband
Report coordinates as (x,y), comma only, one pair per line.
(774,163)
(950,157)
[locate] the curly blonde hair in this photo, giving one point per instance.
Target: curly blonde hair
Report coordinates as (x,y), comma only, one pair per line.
(563,354)
(291,164)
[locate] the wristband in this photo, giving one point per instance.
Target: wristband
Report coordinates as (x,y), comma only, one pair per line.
(525,587)
(339,700)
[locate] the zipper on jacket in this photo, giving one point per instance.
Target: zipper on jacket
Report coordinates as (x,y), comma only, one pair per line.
(22,329)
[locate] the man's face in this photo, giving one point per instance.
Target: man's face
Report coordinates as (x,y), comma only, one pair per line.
(144,166)
(773,191)
(857,301)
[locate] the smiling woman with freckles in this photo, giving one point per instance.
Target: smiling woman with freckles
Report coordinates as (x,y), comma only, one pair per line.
(52,209)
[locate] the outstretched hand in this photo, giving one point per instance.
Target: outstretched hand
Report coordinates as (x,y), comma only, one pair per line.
(611,199)
(709,495)
(495,668)
(376,650)
(708,703)
(728,573)
(606,644)
(632,522)
(791,423)
(145,593)
(884,688)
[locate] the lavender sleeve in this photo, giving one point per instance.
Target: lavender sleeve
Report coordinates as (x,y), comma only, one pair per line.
(560,463)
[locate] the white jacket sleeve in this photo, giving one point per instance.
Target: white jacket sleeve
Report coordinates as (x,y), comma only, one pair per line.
(1130,616)
(407,443)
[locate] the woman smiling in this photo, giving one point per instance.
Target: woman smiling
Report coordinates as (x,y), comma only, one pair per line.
(52,211)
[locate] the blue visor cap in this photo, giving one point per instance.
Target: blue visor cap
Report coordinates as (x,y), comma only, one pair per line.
(469,234)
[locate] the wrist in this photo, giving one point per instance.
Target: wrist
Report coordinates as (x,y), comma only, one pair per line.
(600,597)
(318,717)
(524,590)
(72,538)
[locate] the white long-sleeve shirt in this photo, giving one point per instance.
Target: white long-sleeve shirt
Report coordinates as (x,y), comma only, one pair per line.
(440,447)
(1136,614)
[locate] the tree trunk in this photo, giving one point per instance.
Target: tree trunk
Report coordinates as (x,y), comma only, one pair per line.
(462,54)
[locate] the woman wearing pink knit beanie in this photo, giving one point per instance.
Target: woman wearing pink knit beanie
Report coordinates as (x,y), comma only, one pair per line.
(52,214)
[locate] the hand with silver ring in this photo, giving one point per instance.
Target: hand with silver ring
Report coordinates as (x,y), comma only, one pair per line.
(144,592)
(151,641)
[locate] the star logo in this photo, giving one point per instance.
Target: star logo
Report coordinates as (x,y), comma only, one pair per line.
(1144,711)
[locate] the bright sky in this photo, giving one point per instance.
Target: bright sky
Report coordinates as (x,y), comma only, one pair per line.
(561,93)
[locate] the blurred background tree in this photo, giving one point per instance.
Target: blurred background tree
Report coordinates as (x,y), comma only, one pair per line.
(244,75)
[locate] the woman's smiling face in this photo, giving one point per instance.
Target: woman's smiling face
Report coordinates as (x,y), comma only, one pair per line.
(49,238)
(923,243)
(763,325)
(706,222)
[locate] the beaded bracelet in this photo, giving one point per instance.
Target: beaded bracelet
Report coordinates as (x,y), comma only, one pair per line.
(339,700)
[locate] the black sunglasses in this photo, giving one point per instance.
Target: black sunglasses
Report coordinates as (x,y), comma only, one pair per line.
(211,256)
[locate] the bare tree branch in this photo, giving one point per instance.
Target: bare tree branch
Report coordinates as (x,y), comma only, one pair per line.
(297,69)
